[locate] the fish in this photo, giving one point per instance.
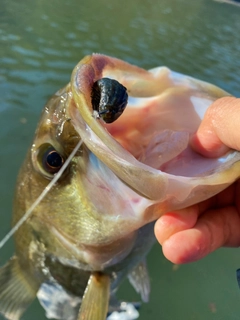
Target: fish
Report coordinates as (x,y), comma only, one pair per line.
(120,134)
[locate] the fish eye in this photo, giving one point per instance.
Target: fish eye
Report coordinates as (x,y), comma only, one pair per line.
(49,160)
(52,161)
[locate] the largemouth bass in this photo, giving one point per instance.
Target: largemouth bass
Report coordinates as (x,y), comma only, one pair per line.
(95,226)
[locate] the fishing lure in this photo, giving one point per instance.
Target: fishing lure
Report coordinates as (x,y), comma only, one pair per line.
(109,99)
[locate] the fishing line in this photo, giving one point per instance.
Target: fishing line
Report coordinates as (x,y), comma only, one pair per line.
(41,196)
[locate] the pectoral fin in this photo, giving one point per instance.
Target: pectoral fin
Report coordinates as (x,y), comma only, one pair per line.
(139,279)
(16,293)
(96,298)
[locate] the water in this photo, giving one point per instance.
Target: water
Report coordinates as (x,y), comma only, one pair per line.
(41,41)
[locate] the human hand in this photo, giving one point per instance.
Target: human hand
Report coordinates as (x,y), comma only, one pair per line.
(190,234)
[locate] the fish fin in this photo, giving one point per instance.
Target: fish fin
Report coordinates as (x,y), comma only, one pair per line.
(139,279)
(96,298)
(15,291)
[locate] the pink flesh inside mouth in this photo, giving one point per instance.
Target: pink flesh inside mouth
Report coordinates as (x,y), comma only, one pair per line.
(143,133)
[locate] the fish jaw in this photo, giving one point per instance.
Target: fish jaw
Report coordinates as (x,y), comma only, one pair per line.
(97,257)
(148,146)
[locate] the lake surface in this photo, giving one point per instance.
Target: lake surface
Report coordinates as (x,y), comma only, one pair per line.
(41,41)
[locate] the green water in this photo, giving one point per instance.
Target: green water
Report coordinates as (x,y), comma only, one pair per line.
(42,40)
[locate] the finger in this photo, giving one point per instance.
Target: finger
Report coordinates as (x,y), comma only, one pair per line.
(173,222)
(215,228)
(219,129)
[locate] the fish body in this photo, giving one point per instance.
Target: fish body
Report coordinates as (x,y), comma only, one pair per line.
(96,223)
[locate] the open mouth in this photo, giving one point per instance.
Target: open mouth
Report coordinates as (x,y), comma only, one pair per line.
(147,147)
(156,131)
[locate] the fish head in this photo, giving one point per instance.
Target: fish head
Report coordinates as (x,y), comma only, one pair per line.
(90,215)
(134,165)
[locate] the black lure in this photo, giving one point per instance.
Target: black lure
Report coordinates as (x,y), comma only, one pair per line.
(109,99)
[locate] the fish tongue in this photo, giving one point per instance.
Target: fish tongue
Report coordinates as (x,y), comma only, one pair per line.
(95,301)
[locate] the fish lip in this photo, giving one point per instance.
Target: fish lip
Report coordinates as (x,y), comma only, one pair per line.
(101,256)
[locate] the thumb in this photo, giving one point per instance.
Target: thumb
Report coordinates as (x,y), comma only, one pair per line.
(219,129)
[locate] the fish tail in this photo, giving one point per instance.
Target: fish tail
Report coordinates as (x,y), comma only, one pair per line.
(16,293)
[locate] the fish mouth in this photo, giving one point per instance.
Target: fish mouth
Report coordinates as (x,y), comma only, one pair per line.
(147,147)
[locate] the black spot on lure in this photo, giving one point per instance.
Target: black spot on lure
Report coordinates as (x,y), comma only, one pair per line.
(109,99)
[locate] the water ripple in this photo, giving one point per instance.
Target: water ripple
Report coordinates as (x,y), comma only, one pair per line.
(26,52)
